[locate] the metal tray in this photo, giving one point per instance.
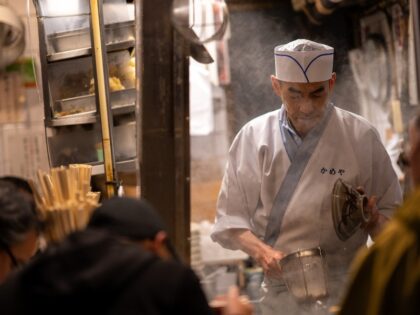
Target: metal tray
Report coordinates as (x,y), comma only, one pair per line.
(87,51)
(71,107)
(80,39)
(83,144)
(121,166)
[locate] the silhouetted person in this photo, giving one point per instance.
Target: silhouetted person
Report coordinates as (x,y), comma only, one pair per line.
(386,277)
(19,228)
(122,263)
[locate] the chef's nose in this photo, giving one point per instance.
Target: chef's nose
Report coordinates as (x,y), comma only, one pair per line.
(306,106)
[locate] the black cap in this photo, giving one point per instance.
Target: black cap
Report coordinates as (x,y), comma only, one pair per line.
(132,218)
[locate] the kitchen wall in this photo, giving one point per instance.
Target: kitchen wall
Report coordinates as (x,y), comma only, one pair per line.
(22,136)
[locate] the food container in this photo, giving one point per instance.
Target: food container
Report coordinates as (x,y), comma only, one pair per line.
(74,144)
(82,144)
(72,85)
(125,141)
(86,104)
(80,38)
(304,273)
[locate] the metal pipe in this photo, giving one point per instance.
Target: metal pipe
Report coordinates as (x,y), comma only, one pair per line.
(102,93)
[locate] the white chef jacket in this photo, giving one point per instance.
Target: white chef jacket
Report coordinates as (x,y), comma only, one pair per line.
(349,148)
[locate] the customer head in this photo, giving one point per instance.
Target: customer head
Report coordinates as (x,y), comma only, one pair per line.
(20,183)
(19,227)
(134,220)
(414,154)
(304,81)
(23,186)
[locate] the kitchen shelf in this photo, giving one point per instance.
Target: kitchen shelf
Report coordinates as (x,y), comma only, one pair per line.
(83,52)
(76,119)
(88,117)
(121,166)
(68,61)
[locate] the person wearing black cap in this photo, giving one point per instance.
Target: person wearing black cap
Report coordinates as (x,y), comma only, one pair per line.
(121,264)
(137,221)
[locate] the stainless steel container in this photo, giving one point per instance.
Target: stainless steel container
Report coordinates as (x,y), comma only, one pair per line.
(304,273)
(80,38)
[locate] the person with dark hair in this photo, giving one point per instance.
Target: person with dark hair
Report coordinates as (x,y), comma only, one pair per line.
(386,277)
(137,221)
(19,182)
(23,186)
(122,263)
(19,229)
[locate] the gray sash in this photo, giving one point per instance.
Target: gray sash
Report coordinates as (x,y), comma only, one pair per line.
(292,178)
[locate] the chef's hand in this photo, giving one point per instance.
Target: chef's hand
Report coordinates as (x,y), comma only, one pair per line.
(377,220)
(264,255)
(268,258)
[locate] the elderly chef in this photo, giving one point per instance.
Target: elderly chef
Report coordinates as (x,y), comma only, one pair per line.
(275,196)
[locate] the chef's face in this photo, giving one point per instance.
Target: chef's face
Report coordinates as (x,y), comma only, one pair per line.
(414,154)
(305,103)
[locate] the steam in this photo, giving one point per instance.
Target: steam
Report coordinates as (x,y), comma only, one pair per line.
(255,34)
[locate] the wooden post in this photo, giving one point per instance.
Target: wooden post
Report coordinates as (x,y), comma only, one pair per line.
(164,119)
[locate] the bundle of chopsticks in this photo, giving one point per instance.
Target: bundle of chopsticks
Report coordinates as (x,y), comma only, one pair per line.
(64,199)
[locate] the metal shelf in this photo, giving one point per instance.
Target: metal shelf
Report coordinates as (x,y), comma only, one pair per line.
(88,51)
(87,117)
(76,119)
(121,166)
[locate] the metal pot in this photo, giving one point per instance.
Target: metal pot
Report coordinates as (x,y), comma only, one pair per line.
(304,273)
(207,19)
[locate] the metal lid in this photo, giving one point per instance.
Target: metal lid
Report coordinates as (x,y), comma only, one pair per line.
(348,209)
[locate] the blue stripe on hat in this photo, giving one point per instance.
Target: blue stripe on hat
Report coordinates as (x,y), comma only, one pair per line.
(297,62)
(310,63)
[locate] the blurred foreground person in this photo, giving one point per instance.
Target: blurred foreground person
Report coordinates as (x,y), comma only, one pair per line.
(22,185)
(386,277)
(122,263)
(19,228)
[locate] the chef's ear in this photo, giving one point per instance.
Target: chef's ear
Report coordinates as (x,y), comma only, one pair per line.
(331,82)
(276,84)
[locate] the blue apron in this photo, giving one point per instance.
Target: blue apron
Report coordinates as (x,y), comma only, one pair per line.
(293,175)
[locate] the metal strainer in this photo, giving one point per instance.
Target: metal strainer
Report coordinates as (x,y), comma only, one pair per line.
(304,273)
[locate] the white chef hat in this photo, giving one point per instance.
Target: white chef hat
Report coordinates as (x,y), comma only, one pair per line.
(303,61)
